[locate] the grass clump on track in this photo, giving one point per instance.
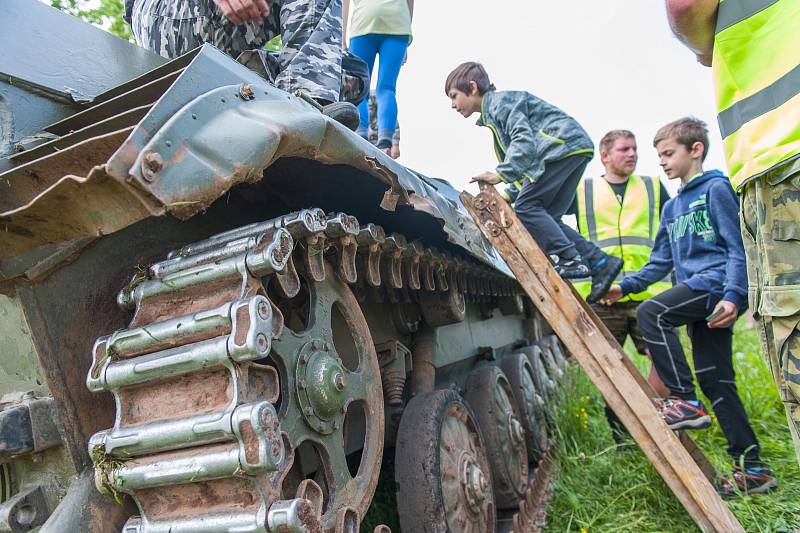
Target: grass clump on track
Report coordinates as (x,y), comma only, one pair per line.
(604,488)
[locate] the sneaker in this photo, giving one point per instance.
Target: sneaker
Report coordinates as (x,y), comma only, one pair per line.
(342,112)
(573,268)
(681,414)
(751,480)
(385,146)
(603,277)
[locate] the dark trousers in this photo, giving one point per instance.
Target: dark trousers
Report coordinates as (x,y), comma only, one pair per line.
(541,205)
(711,349)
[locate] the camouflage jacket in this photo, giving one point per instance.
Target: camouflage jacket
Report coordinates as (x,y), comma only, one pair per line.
(529,132)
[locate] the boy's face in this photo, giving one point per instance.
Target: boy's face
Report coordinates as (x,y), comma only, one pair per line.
(677,160)
(464,103)
(621,159)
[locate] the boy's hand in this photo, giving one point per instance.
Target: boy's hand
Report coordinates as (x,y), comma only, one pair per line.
(612,296)
(487,177)
(724,315)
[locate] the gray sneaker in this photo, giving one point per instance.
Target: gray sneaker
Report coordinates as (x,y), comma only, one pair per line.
(342,112)
(573,268)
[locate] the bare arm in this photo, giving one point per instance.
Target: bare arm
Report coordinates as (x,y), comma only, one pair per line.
(345,14)
(693,22)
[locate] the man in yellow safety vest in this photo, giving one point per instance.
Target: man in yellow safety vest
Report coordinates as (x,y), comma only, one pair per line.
(752,47)
(619,212)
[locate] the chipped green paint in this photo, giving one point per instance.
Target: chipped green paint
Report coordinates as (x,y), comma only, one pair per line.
(20,371)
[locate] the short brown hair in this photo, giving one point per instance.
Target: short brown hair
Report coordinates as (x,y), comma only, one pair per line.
(687,131)
(607,142)
(465,73)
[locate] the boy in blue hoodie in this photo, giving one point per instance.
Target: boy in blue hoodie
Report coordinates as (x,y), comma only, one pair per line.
(699,237)
(542,153)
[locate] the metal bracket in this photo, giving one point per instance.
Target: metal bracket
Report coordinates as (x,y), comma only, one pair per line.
(28,426)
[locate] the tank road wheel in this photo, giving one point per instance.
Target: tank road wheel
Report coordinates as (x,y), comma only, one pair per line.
(491,397)
(553,345)
(441,468)
(540,377)
(331,397)
(551,353)
(519,372)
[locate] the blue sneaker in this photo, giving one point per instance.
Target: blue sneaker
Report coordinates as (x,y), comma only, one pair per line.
(603,276)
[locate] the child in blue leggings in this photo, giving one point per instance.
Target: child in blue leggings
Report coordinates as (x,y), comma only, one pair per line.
(381,28)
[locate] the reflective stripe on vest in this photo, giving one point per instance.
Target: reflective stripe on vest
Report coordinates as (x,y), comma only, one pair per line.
(757,79)
(602,220)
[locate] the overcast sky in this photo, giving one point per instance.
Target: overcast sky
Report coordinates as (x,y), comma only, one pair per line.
(611,64)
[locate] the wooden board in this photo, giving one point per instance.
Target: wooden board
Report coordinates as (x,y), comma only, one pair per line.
(602,359)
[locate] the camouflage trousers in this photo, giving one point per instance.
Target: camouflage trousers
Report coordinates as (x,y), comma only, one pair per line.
(771,231)
(620,319)
(310,30)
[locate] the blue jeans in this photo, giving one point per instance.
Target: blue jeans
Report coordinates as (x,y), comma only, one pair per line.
(392,49)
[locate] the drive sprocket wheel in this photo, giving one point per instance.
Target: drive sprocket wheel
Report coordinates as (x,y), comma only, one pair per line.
(328,370)
(491,397)
(441,468)
(519,372)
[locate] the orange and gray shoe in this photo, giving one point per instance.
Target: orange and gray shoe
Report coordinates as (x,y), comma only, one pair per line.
(750,480)
(683,414)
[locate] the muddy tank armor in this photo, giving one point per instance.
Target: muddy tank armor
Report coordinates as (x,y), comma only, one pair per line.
(223,312)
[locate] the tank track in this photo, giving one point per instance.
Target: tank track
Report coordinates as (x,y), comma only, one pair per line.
(197,440)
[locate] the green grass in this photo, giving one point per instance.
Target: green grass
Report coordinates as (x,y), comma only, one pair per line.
(604,488)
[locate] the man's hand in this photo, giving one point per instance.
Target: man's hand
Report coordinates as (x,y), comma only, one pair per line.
(395,153)
(612,296)
(243,11)
(487,177)
(724,315)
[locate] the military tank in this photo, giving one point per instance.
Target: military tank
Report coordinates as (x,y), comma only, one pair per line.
(223,312)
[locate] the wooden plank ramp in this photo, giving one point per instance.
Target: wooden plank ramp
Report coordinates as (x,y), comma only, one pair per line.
(676,458)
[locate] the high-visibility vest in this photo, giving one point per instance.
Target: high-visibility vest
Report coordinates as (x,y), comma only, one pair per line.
(627,230)
(756,65)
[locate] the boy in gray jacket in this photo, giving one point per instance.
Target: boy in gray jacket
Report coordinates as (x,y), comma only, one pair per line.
(543,153)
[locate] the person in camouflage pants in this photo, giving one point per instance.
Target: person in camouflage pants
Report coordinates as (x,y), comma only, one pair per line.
(311,32)
(770,191)
(771,229)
